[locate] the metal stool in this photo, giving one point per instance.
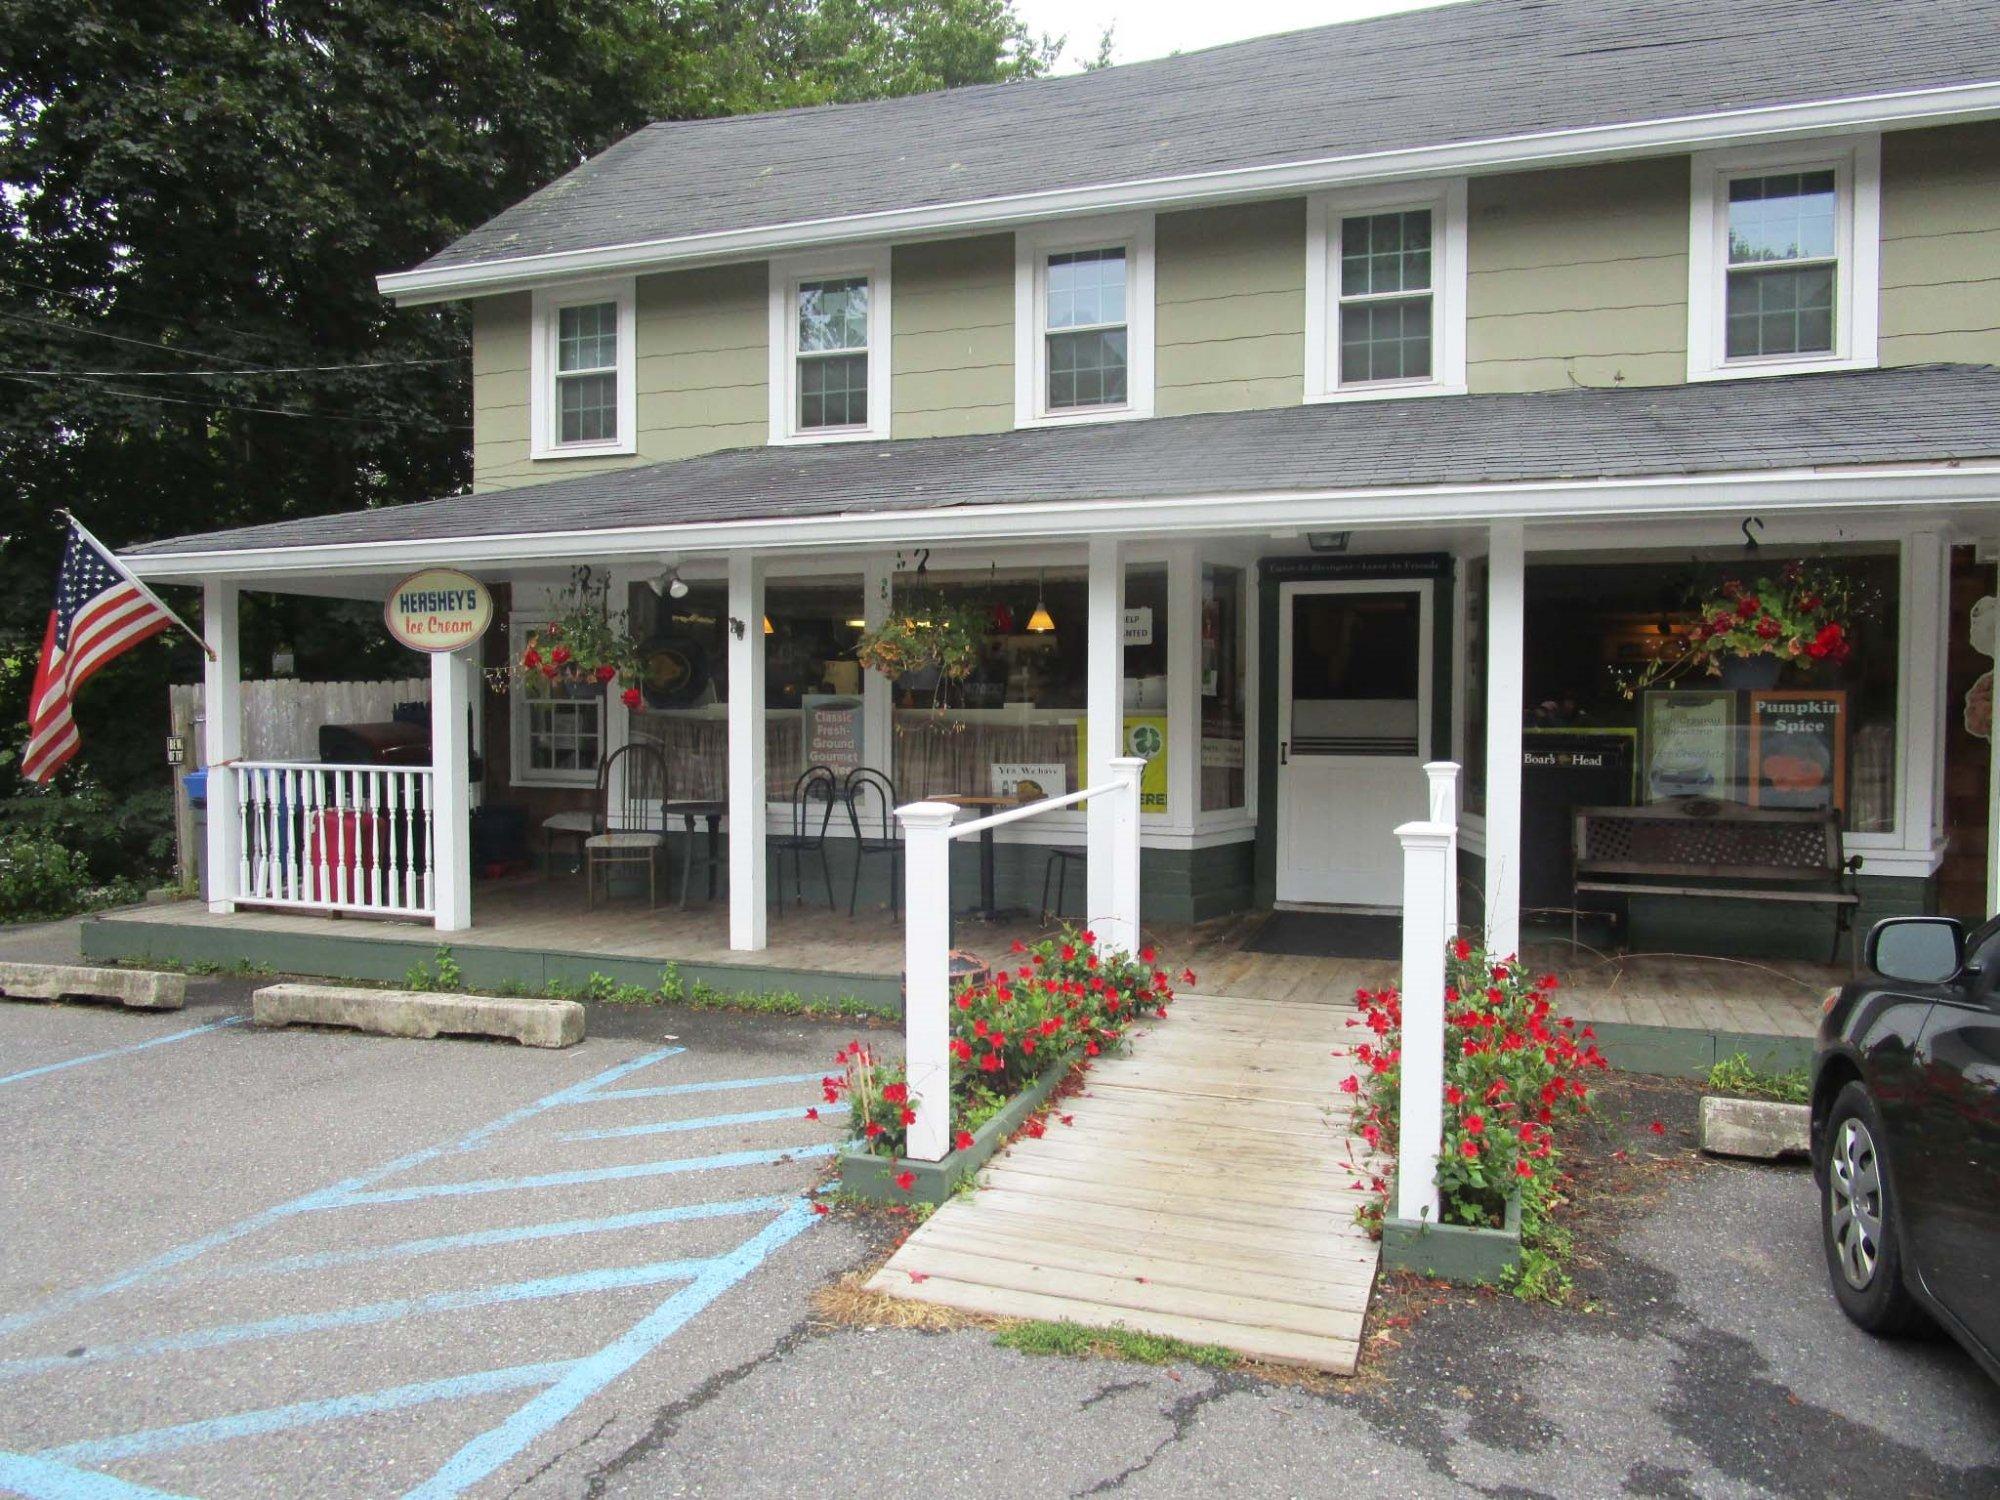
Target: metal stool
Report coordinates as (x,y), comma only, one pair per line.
(1058,864)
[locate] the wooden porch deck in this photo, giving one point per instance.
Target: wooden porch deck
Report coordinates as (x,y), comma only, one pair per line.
(1200,1191)
(1769,998)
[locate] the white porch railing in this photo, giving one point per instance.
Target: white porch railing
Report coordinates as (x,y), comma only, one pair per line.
(928,831)
(325,837)
(1430,919)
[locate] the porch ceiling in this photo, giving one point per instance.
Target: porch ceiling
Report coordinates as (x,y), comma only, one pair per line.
(1914,415)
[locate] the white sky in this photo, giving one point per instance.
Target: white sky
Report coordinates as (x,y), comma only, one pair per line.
(1154,28)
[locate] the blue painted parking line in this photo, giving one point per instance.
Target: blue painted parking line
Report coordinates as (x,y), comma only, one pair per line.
(670,1127)
(158,1041)
(588,1376)
(666,1168)
(705,1086)
(322,1260)
(322,1197)
(39,1479)
(307,1414)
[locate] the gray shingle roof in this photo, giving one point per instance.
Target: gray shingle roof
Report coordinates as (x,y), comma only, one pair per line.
(1929,413)
(1479,71)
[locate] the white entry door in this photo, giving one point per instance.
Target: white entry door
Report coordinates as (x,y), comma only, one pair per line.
(1354,730)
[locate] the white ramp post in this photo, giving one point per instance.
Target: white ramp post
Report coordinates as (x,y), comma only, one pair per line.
(1426,847)
(1118,931)
(1443,776)
(1104,707)
(222,736)
(1506,600)
(927,974)
(451,795)
(747,799)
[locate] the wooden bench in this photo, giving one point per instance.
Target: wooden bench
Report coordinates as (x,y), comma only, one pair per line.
(1767,854)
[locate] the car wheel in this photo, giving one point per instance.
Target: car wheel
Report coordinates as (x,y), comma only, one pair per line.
(1858,1224)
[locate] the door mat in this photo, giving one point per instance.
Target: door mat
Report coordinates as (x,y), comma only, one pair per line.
(1329,934)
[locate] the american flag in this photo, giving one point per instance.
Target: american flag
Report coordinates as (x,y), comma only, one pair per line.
(101,610)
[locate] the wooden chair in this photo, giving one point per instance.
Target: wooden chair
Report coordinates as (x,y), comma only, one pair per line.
(877,834)
(817,786)
(634,779)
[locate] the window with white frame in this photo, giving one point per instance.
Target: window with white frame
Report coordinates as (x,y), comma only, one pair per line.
(1783,255)
(1084,321)
(557,733)
(830,349)
(582,398)
(1385,294)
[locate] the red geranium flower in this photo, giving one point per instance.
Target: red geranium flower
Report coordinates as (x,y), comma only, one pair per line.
(962,1141)
(905,1181)
(630,697)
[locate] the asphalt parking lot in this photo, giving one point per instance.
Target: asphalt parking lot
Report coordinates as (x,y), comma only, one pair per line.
(243,1263)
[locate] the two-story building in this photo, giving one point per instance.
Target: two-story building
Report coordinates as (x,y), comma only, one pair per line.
(1292,413)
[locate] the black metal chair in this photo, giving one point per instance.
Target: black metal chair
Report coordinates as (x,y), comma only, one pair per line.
(1057,867)
(634,783)
(876,831)
(817,786)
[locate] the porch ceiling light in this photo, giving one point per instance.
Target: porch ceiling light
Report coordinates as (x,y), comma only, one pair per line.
(1041,622)
(671,584)
(769,628)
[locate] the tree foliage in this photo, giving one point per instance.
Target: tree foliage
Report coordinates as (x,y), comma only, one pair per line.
(196,196)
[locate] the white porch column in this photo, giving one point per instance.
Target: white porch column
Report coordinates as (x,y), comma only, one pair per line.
(1506,599)
(451,801)
(746,752)
(1118,932)
(1420,1127)
(1443,776)
(222,735)
(878,702)
(927,974)
(1104,702)
(1926,616)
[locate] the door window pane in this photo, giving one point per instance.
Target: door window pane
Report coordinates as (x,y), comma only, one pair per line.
(1356,673)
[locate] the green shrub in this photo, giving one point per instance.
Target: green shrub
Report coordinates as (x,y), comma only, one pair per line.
(43,877)
(1736,1075)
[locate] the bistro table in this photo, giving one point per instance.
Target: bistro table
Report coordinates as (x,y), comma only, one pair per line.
(987,910)
(687,810)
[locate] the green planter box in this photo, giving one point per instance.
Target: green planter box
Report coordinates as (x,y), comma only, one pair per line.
(873,1178)
(1453,1252)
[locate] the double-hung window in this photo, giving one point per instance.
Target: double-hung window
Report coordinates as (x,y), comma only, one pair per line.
(1385,294)
(1084,321)
(1782,260)
(557,732)
(582,374)
(830,349)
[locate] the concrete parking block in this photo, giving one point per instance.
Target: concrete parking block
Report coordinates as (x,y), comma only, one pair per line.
(409,1013)
(140,989)
(1762,1129)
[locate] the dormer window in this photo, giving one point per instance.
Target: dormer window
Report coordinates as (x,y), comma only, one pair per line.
(1385,293)
(830,349)
(583,400)
(1083,319)
(1783,251)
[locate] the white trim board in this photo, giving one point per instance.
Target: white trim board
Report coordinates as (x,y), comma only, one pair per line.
(1891,489)
(1663,136)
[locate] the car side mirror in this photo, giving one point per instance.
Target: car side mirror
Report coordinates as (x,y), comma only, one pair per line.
(1917,950)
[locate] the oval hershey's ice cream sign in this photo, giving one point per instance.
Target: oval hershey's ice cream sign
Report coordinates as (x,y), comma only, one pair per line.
(439,609)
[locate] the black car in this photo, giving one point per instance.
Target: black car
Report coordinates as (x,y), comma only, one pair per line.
(1906,1133)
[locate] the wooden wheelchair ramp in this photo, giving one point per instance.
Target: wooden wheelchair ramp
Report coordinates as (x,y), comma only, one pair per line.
(1201,1191)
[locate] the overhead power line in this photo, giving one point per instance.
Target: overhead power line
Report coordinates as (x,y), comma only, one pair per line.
(268,411)
(373,364)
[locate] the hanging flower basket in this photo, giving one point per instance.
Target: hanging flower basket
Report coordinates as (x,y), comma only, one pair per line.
(926,634)
(1747,634)
(581,650)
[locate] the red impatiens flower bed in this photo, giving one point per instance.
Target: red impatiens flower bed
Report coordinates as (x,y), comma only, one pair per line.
(1062,998)
(1514,1075)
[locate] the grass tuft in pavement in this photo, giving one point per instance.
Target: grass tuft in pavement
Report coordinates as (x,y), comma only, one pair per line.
(1075,1340)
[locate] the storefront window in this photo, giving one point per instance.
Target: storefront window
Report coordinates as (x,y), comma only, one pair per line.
(1223,670)
(1017,722)
(1617,704)
(812,684)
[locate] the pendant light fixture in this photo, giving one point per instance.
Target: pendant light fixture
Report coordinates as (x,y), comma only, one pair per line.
(769,628)
(1041,622)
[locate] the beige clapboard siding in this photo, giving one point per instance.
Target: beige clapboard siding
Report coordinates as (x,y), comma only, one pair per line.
(1229,308)
(1578,276)
(951,362)
(701,375)
(1941,245)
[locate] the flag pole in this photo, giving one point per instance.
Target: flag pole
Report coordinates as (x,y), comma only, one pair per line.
(125,573)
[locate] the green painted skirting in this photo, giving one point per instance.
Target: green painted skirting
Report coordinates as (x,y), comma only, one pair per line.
(1690,1051)
(873,1177)
(1453,1252)
(522,970)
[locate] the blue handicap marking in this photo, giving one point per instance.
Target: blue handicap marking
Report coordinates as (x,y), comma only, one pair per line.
(158,1041)
(557,1387)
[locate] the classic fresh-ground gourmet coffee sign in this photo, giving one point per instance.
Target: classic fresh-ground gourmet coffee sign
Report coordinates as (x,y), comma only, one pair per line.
(439,609)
